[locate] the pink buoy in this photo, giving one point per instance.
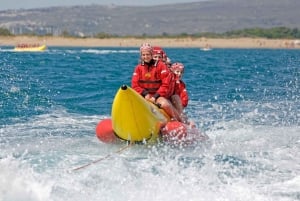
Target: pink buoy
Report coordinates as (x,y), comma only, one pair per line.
(104,131)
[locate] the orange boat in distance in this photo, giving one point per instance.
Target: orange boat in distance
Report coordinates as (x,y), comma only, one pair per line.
(30,47)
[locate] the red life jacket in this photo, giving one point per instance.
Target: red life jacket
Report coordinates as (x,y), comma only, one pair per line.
(152,78)
(180,89)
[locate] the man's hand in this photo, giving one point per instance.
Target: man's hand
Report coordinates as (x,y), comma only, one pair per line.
(150,98)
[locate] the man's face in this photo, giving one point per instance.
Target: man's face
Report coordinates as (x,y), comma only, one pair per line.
(178,73)
(157,57)
(146,56)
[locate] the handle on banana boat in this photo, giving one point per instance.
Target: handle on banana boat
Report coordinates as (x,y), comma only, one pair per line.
(158,105)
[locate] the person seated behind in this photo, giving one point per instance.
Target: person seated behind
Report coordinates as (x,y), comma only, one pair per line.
(168,62)
(158,53)
(152,79)
(180,97)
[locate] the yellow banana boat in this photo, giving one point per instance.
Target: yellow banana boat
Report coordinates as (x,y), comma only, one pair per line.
(29,48)
(134,118)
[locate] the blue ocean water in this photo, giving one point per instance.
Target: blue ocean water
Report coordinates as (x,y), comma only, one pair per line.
(245,100)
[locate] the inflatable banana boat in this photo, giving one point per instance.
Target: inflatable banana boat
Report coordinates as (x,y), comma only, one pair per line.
(136,120)
(30,48)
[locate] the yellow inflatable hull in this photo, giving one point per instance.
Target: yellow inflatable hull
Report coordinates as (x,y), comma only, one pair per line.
(31,49)
(134,118)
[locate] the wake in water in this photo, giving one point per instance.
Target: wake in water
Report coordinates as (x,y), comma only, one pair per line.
(243,162)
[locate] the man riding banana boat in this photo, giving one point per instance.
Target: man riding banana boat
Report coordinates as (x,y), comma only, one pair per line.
(144,112)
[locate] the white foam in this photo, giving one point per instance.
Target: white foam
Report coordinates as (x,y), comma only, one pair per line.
(18,183)
(108,51)
(245,162)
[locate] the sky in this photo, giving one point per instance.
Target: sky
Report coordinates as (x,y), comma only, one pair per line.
(27,4)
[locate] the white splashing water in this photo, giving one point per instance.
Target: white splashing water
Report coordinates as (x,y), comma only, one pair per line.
(241,162)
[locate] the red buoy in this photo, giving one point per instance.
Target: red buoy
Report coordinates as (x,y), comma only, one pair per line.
(174,131)
(178,133)
(104,131)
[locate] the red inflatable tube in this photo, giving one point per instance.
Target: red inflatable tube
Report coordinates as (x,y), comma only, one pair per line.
(174,131)
(104,131)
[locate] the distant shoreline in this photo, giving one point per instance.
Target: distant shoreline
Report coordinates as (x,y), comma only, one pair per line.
(187,42)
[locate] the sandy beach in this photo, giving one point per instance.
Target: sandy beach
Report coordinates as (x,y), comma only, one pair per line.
(164,42)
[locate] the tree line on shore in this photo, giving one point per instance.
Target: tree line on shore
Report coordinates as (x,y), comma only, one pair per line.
(270,33)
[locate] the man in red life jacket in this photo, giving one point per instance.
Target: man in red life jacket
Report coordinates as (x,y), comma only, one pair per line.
(152,79)
(180,98)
